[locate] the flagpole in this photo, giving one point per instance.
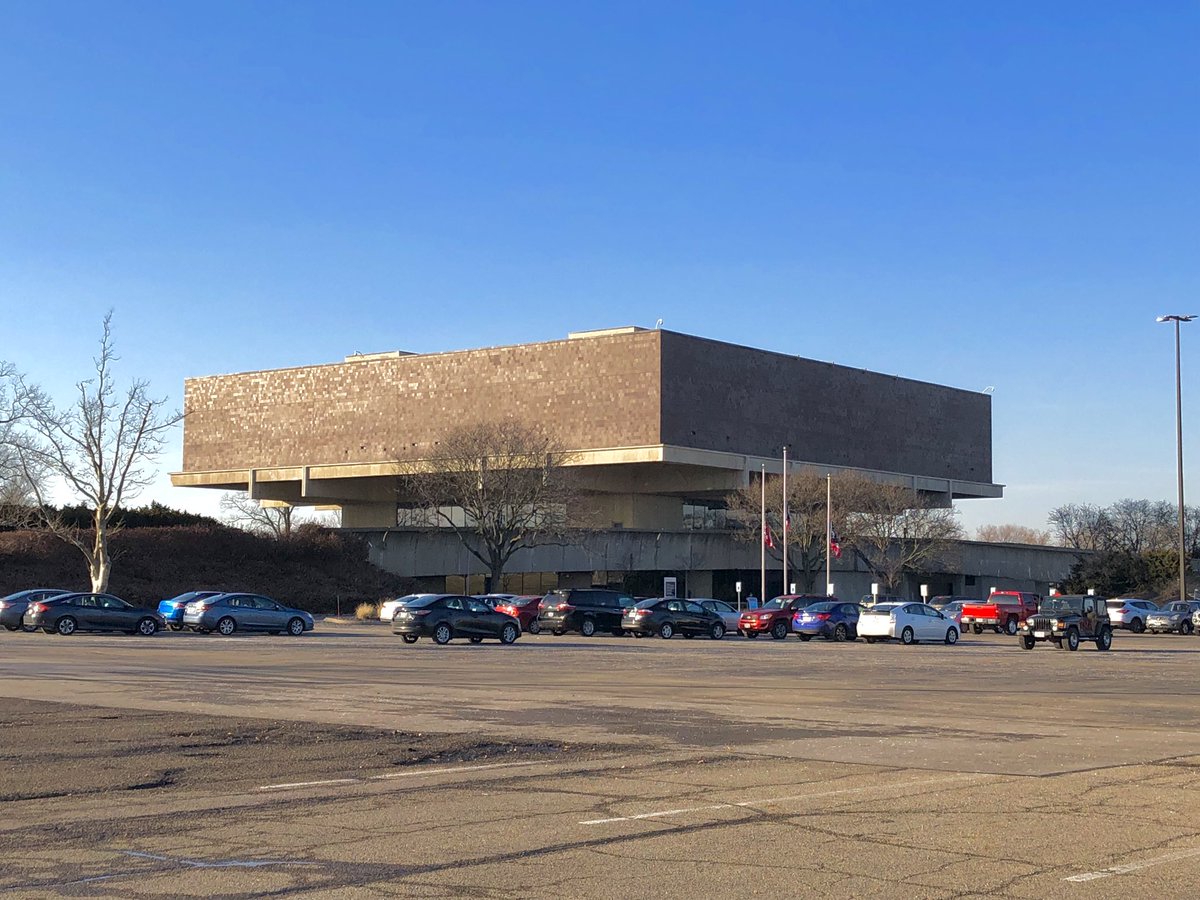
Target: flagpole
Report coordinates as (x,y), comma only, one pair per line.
(828,530)
(762,535)
(785,522)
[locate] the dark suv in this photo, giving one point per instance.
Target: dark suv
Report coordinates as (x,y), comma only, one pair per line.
(586,610)
(1066,620)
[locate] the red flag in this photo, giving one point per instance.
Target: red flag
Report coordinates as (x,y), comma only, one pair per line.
(834,547)
(767,538)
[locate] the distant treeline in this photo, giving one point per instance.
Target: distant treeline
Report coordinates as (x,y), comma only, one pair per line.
(153,515)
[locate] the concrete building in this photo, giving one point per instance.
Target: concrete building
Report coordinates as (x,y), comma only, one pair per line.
(661,425)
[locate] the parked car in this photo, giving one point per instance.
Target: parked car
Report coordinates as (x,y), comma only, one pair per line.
(728,614)
(1130,613)
(775,616)
(227,613)
(12,607)
(1002,611)
(444,617)
(1174,616)
(1065,620)
(830,619)
(953,610)
(493,600)
(68,613)
(172,610)
(668,616)
(907,623)
(586,610)
(524,609)
(943,600)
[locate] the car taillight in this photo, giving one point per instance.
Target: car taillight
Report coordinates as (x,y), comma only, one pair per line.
(821,617)
(418,612)
(641,612)
(564,607)
(507,610)
(37,607)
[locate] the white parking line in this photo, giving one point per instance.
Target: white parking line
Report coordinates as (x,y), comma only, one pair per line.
(403,773)
(788,799)
(1133,867)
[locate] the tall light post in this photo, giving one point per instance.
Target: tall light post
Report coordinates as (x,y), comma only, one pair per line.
(1179,446)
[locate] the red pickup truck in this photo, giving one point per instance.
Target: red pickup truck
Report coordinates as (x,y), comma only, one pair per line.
(1003,611)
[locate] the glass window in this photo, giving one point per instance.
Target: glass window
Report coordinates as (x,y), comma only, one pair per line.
(694,608)
(675,606)
(453,603)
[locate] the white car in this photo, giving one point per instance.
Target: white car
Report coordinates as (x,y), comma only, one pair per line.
(728,614)
(388,610)
(1130,613)
(907,623)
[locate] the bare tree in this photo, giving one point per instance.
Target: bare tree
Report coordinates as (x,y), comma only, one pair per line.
(895,529)
(1012,534)
(1081,526)
(102,447)
(501,487)
(241,511)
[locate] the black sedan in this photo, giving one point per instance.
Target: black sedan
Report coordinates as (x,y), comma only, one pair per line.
(444,617)
(666,617)
(12,607)
(68,613)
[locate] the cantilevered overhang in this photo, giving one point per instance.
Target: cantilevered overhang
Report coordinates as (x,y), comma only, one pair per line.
(651,469)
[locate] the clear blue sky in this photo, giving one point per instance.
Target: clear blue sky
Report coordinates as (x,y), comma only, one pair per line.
(974,194)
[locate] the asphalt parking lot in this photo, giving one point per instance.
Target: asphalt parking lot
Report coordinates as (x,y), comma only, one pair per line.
(346,764)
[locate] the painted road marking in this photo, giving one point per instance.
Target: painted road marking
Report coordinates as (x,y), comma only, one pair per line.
(1133,867)
(404,773)
(788,799)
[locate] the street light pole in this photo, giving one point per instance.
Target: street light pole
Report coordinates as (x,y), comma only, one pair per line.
(1179,446)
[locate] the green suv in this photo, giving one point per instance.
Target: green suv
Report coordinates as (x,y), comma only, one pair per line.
(1066,620)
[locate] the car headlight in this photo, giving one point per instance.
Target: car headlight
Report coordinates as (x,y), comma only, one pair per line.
(1054,623)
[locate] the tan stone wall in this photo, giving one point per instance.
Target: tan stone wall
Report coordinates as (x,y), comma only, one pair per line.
(594,392)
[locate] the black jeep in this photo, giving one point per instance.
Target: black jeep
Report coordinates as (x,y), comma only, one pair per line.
(1067,620)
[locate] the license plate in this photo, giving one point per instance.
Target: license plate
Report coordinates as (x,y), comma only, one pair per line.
(1039,634)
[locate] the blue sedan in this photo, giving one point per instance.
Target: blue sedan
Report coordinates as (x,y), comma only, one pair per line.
(172,610)
(227,613)
(831,619)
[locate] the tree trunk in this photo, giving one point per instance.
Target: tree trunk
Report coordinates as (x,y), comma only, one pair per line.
(100,565)
(497,569)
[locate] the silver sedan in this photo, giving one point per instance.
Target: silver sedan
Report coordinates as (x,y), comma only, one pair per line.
(227,613)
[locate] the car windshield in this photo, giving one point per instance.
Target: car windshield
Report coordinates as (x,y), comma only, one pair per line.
(1060,605)
(821,607)
(777,603)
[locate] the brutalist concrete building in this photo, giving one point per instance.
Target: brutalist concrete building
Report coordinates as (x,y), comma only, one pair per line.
(662,427)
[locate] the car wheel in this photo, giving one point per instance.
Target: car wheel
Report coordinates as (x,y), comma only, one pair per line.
(175,627)
(638,634)
(534,627)
(12,627)
(442,634)
(869,640)
(1185,627)
(1010,627)
(409,638)
(977,629)
(717,631)
(1057,642)
(226,626)
(951,635)
(750,635)
(665,631)
(587,628)
(147,627)
(559,632)
(509,633)
(804,637)
(779,630)
(908,636)
(295,627)
(1072,639)
(840,633)
(1104,641)
(1137,626)
(1027,642)
(476,640)
(64,626)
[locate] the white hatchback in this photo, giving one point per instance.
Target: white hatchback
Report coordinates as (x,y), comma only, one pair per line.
(907,623)
(388,610)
